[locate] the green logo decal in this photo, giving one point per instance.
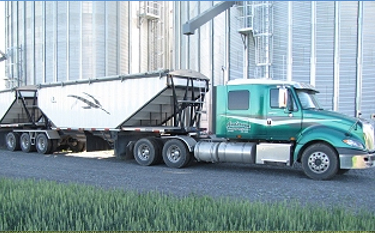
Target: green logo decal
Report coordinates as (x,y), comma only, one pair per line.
(238,126)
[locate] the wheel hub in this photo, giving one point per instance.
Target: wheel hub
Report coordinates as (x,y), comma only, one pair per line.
(318,162)
(145,153)
(42,144)
(174,154)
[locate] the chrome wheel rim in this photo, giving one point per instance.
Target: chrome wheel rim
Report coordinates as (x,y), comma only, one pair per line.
(42,143)
(25,142)
(11,141)
(174,154)
(318,162)
(144,152)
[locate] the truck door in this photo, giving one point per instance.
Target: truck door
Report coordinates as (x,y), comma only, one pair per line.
(284,119)
(244,113)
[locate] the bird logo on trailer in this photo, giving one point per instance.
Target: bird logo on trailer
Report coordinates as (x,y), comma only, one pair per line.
(94,103)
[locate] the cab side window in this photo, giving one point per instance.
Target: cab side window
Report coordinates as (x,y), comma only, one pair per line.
(274,98)
(238,100)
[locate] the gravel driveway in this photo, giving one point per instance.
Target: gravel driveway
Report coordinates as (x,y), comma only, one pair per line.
(354,190)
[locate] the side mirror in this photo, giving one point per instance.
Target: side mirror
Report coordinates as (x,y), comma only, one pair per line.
(283,97)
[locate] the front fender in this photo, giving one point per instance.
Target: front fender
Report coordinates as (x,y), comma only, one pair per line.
(329,135)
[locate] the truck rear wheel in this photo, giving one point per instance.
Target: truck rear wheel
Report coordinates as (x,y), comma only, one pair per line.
(147,151)
(320,162)
(12,141)
(43,144)
(176,154)
(25,143)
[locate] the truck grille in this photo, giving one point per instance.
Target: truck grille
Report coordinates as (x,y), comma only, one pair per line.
(368,131)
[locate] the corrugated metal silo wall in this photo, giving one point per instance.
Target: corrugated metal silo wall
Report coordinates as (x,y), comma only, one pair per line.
(68,40)
(322,48)
(193,40)
(236,46)
(301,40)
(205,43)
(64,40)
(219,40)
(280,41)
(368,84)
(347,45)
(123,33)
(325,40)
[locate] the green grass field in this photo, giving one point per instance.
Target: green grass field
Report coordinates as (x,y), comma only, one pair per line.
(29,205)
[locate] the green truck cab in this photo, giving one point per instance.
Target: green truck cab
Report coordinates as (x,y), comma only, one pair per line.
(280,122)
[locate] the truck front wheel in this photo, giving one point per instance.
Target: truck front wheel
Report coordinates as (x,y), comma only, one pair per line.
(147,152)
(320,162)
(175,154)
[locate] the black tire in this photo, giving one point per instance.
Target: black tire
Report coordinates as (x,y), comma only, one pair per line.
(55,145)
(12,141)
(147,152)
(320,162)
(25,143)
(176,154)
(43,144)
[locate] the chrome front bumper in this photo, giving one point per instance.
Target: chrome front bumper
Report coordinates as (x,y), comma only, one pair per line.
(357,161)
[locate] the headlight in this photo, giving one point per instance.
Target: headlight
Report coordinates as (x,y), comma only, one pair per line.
(353,143)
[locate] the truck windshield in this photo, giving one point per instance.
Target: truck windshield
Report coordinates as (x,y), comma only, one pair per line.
(308,99)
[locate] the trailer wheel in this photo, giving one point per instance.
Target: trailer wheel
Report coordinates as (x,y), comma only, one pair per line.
(320,162)
(25,143)
(12,141)
(175,154)
(147,152)
(43,144)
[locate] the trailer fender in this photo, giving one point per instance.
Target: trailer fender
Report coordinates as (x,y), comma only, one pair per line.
(52,134)
(189,141)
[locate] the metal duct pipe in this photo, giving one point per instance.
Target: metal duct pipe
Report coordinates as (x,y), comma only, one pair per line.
(359,59)
(336,65)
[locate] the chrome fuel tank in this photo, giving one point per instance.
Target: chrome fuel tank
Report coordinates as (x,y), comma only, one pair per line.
(215,152)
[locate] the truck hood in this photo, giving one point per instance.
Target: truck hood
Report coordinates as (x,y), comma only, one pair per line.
(351,126)
(333,119)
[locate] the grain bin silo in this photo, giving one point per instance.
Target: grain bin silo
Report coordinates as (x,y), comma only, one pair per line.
(50,42)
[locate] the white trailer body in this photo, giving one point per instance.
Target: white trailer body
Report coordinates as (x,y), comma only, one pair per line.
(110,103)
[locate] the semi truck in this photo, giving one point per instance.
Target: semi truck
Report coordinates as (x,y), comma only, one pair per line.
(156,117)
